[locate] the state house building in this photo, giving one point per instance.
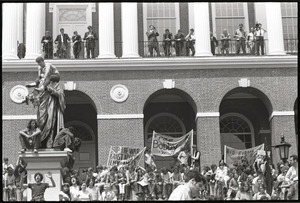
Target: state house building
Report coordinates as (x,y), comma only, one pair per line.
(123,95)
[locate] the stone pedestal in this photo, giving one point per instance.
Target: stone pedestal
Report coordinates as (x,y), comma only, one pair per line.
(43,162)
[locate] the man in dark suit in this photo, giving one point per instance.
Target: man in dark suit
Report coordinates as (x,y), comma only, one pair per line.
(167,42)
(76,39)
(90,38)
(62,40)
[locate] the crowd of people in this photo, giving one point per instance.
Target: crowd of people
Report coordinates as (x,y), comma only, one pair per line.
(254,41)
(177,182)
(184,45)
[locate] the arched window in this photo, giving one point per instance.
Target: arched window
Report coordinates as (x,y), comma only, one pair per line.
(165,123)
(236,131)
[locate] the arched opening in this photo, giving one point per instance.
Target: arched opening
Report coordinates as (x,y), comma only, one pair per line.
(81,113)
(170,112)
(244,119)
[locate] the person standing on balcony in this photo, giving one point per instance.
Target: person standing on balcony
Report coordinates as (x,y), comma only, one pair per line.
(152,40)
(213,43)
(76,39)
(251,41)
(259,35)
(240,36)
(62,39)
(167,42)
(225,38)
(179,39)
(47,45)
(190,41)
(90,45)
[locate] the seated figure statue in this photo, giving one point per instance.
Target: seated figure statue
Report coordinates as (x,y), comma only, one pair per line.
(30,136)
(65,140)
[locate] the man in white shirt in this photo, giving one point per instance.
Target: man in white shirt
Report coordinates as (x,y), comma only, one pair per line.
(190,41)
(293,170)
(251,41)
(259,34)
(193,183)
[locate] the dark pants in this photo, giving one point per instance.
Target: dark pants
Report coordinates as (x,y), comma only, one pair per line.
(62,52)
(260,44)
(178,48)
(48,52)
(212,47)
(153,46)
(167,48)
(62,141)
(76,50)
(190,45)
(90,51)
(239,44)
(30,143)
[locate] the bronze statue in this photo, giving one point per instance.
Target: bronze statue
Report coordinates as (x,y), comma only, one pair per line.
(49,97)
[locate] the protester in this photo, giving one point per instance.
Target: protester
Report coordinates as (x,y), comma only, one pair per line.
(194,181)
(261,194)
(38,189)
(74,189)
(30,136)
(84,194)
(65,195)
(108,194)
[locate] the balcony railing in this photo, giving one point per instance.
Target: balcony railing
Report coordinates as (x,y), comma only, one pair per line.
(166,50)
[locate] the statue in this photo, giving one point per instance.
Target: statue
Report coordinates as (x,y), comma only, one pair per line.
(30,136)
(50,100)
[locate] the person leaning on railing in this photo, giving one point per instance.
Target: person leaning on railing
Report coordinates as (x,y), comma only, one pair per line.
(167,42)
(47,42)
(152,40)
(225,38)
(259,35)
(179,40)
(251,41)
(213,43)
(190,39)
(240,36)
(62,39)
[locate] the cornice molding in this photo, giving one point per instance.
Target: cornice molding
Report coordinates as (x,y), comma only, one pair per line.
(176,63)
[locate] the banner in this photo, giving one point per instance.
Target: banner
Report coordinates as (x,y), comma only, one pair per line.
(163,145)
(232,155)
(120,155)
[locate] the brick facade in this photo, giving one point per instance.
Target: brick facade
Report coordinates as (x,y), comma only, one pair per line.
(206,87)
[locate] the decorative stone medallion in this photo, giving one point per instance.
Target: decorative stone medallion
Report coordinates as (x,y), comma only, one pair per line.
(119,93)
(18,93)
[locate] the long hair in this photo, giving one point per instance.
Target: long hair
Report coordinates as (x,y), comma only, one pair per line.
(29,123)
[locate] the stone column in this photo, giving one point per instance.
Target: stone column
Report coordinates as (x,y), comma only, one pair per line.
(106,29)
(20,23)
(209,140)
(9,30)
(274,29)
(129,30)
(202,32)
(283,124)
(35,29)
